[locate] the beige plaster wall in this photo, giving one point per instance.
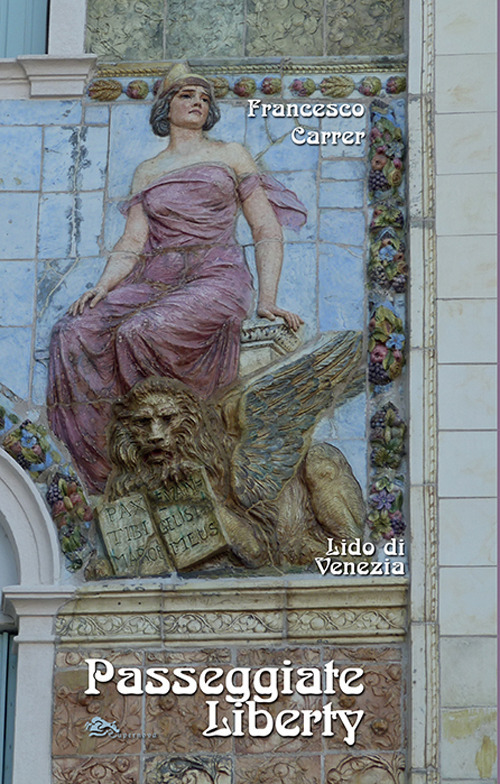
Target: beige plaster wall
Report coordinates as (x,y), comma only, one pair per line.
(465,145)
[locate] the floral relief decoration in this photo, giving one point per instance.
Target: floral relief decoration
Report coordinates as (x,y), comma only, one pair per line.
(202,28)
(117,770)
(125,30)
(385,518)
(365,27)
(386,345)
(284,26)
(27,443)
(30,445)
(387,437)
(387,152)
(383,769)
(197,28)
(192,768)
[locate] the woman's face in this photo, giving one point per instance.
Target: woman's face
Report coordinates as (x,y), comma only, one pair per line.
(189,107)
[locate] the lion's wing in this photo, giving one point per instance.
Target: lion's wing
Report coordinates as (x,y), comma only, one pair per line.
(277,411)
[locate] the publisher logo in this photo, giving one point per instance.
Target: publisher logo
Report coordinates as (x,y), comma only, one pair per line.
(99,728)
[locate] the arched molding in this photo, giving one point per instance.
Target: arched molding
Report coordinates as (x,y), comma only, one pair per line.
(29,526)
(32,605)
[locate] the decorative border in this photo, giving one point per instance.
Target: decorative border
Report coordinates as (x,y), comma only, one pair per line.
(387,273)
(392,64)
(424,760)
(365,610)
(341,84)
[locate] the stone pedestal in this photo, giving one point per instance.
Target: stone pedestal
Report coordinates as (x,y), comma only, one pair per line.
(263,341)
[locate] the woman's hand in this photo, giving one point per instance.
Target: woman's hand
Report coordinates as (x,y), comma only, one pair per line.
(269,311)
(90,297)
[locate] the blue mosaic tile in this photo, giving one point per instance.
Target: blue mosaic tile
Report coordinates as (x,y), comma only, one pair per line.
(342,194)
(17,287)
(287,156)
(353,449)
(231,126)
(342,226)
(96,115)
(243,231)
(354,452)
(297,287)
(20,166)
(74,157)
(322,431)
(93,159)
(58,226)
(278,127)
(7,400)
(343,124)
(399,109)
(131,142)
(89,222)
(61,147)
(15,356)
(341,288)
(18,219)
(14,112)
(344,170)
(257,138)
(349,419)
(249,252)
(70,225)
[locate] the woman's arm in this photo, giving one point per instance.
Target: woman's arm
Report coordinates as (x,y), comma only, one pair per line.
(268,239)
(121,261)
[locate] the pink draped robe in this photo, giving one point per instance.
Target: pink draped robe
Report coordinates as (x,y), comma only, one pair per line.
(178,314)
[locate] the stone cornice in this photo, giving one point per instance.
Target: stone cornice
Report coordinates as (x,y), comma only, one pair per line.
(365,610)
(34,609)
(45,76)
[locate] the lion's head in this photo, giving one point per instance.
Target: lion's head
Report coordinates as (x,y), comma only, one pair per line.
(157,430)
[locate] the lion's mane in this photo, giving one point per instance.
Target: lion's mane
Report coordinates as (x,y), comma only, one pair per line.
(200,439)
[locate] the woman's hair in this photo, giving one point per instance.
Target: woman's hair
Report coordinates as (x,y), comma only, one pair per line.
(161,107)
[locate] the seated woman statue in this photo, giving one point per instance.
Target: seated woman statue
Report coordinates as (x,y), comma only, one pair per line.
(176,287)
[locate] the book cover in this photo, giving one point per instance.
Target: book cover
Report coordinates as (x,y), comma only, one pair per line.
(218,406)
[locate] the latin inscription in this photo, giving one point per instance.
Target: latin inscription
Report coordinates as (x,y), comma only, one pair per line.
(187,518)
(131,541)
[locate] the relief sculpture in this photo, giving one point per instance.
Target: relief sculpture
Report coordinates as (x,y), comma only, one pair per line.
(239,473)
(176,287)
(198,465)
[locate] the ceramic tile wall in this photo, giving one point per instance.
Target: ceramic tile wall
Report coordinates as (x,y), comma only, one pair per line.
(466,209)
(78,758)
(72,164)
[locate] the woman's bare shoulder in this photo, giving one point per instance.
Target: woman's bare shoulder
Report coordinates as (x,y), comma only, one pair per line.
(237,157)
(144,173)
